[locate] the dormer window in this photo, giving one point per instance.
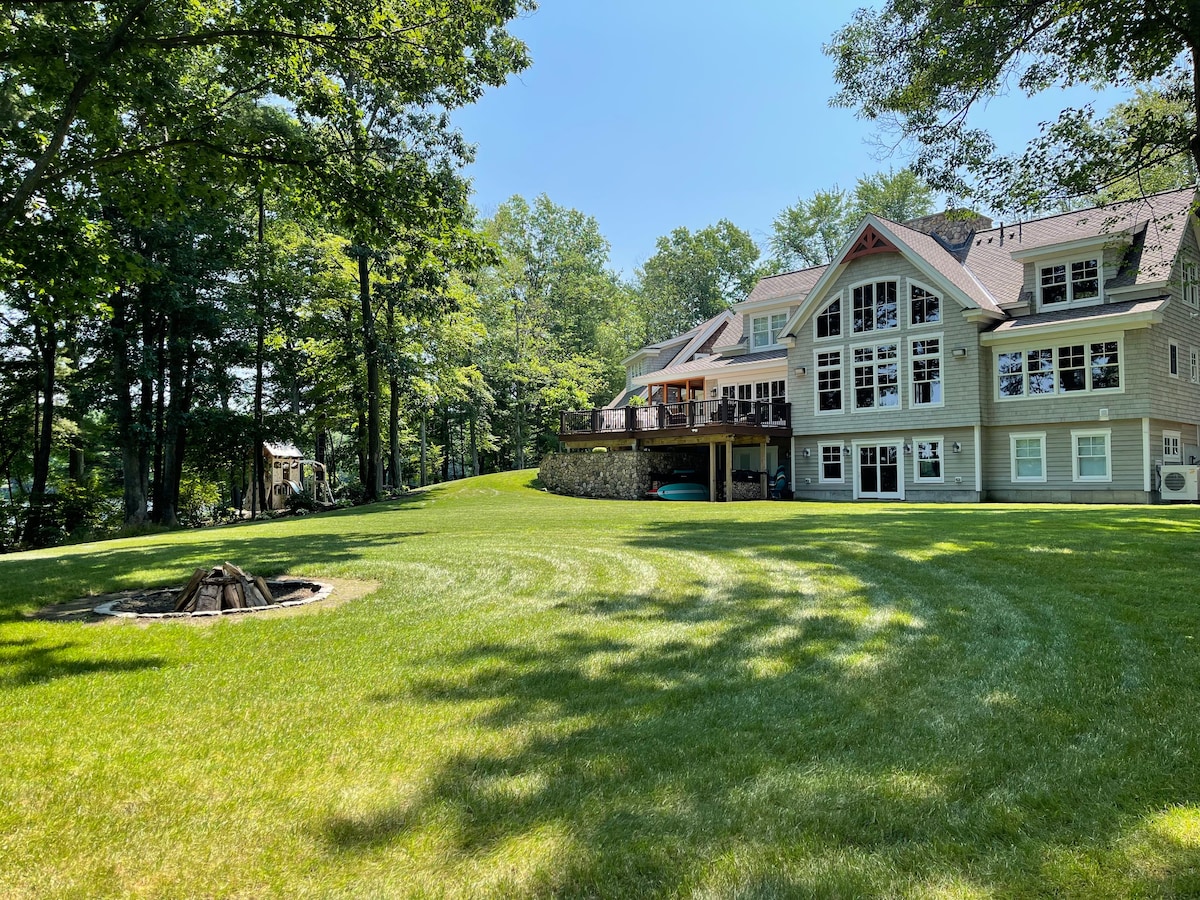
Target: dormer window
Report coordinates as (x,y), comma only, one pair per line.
(765,330)
(874,307)
(829,319)
(1069,283)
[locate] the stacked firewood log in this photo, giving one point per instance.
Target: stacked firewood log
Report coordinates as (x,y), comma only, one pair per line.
(223,587)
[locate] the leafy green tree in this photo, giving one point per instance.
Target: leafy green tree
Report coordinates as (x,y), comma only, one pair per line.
(898,196)
(920,67)
(694,276)
(92,86)
(559,321)
(810,232)
(1170,106)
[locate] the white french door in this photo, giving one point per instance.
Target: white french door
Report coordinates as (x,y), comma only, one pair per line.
(878,472)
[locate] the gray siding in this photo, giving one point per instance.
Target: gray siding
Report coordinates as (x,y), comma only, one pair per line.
(958,468)
(1127,467)
(960,377)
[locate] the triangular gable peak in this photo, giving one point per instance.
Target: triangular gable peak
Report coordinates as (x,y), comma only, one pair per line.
(870,241)
(874,238)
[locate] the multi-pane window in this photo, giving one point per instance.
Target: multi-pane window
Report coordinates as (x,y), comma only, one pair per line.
(877,377)
(829,319)
(874,307)
(1173,360)
(1073,282)
(831,462)
(927,372)
(1194,365)
(1028,457)
(1171,446)
(1094,366)
(1191,285)
(1090,460)
(925,307)
(929,460)
(829,381)
(765,329)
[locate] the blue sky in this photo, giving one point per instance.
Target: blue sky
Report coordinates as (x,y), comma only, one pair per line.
(652,114)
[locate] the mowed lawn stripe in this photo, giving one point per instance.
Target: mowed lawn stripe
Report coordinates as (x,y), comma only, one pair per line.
(546,696)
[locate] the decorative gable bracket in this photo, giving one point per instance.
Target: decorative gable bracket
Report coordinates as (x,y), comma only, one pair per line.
(870,241)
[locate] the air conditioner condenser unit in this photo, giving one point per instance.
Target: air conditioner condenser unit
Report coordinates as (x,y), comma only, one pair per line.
(1180,483)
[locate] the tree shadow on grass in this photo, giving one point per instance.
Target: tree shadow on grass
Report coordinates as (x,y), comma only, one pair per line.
(26,661)
(875,703)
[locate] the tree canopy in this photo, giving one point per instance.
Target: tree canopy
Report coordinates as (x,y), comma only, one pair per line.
(694,275)
(809,232)
(921,67)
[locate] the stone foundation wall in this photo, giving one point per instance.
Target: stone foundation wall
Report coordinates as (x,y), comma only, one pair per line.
(615,475)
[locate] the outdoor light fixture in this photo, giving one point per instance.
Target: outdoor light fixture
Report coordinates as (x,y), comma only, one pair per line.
(956,447)
(713,392)
(908,449)
(845,451)
(807,452)
(959,352)
(801,371)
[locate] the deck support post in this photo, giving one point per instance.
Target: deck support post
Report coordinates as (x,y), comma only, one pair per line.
(712,471)
(762,469)
(728,469)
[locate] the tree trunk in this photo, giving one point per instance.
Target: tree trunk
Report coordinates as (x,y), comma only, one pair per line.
(424,450)
(474,444)
(394,432)
(159,499)
(46,339)
(447,444)
(145,414)
(258,504)
(174,437)
(131,457)
(374,484)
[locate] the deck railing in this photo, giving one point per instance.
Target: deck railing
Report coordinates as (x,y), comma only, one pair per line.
(706,414)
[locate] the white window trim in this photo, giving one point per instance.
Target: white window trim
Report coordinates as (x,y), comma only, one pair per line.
(1178,356)
(1105,433)
(849,391)
(1190,286)
(821,479)
(929,439)
(1178,455)
(1071,302)
(772,339)
(1013,437)
(908,286)
(1194,365)
(840,295)
(816,369)
(1054,345)
(912,358)
(848,315)
(856,447)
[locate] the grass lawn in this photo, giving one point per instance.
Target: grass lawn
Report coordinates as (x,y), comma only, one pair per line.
(558,697)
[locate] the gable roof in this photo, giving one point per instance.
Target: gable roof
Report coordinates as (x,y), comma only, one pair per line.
(946,264)
(787,284)
(711,365)
(1153,225)
(984,271)
(688,342)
